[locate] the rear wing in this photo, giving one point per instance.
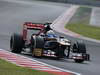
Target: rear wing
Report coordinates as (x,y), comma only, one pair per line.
(30,25)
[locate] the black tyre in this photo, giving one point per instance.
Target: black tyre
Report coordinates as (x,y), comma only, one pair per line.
(79,60)
(79,47)
(16,43)
(37,43)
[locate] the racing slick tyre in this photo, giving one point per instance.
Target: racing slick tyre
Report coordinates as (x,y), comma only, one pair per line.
(79,47)
(16,43)
(37,46)
(79,60)
(39,42)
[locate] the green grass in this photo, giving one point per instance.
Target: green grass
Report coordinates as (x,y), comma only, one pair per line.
(7,68)
(80,24)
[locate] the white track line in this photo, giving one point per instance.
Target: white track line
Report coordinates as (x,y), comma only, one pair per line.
(43,64)
(63,19)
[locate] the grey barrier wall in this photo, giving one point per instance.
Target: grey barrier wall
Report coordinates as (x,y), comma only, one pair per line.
(85,2)
(80,2)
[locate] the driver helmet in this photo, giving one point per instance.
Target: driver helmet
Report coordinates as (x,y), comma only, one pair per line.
(51,34)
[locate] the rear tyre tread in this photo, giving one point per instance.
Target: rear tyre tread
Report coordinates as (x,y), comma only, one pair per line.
(16,43)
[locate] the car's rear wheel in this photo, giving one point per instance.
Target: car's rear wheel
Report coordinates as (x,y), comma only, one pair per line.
(79,47)
(16,43)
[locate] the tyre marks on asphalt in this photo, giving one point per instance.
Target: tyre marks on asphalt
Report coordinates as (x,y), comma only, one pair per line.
(31,63)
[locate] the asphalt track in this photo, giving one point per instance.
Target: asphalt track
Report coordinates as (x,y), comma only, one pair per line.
(12,16)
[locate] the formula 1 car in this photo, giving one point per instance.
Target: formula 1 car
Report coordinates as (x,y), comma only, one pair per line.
(41,40)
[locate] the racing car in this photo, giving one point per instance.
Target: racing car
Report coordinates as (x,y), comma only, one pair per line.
(41,41)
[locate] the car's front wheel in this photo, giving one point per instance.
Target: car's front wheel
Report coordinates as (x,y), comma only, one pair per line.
(37,45)
(79,48)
